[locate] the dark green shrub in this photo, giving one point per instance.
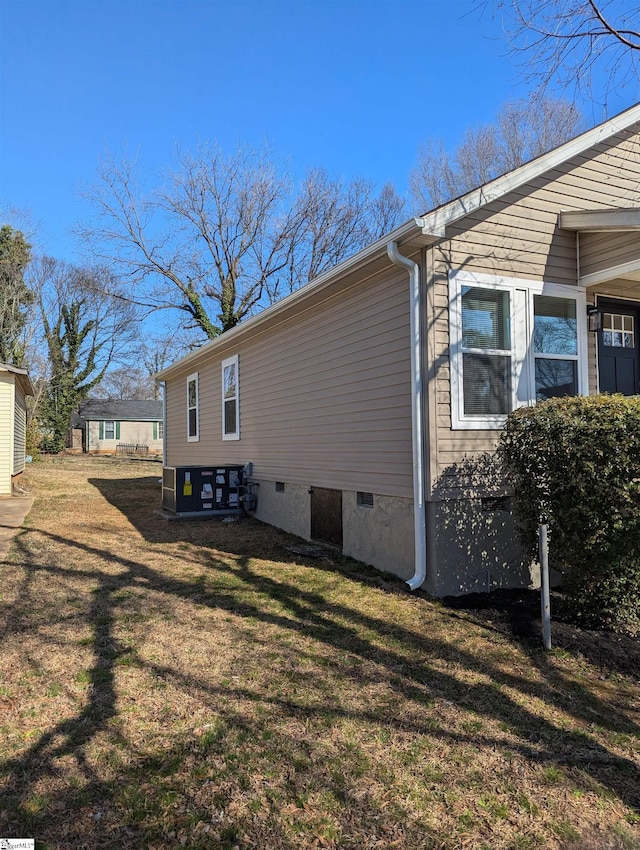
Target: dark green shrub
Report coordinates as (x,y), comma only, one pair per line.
(574,463)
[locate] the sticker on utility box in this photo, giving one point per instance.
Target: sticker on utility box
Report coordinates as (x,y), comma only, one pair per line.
(187,487)
(219,494)
(207,492)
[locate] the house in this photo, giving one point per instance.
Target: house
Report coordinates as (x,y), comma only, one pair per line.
(107,424)
(369,402)
(15,386)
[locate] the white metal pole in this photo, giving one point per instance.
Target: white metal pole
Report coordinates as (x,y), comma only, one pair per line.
(543,548)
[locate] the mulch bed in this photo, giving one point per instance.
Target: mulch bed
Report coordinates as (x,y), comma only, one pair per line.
(517,613)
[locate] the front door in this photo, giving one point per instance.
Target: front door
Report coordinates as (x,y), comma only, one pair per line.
(618,359)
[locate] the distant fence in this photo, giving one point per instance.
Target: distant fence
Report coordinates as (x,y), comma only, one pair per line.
(136,449)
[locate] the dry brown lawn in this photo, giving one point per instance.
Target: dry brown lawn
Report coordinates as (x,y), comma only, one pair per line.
(198,685)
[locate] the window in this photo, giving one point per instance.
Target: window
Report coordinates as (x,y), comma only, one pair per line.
(230,399)
(108,430)
(193,431)
(486,347)
(618,331)
(555,346)
(512,342)
(158,430)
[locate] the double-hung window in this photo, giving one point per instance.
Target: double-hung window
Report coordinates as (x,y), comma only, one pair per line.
(555,346)
(512,342)
(193,432)
(230,399)
(487,351)
(109,430)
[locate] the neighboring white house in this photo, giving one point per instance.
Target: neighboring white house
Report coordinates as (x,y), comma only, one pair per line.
(109,423)
(14,387)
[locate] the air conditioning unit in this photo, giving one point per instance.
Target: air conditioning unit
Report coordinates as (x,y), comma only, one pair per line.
(201,489)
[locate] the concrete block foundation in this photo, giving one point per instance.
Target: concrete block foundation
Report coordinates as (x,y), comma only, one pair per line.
(472,544)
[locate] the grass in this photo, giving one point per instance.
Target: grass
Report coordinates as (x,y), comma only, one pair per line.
(197,685)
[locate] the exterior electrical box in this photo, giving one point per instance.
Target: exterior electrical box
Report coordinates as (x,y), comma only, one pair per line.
(201,489)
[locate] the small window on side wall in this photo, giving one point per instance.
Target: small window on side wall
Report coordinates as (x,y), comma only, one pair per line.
(109,430)
(193,432)
(230,399)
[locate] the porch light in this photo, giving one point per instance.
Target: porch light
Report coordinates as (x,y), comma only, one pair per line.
(594,318)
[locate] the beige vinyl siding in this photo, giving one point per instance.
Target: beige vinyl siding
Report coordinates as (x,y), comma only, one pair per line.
(325,395)
(20,430)
(517,236)
(138,432)
(6,432)
(600,251)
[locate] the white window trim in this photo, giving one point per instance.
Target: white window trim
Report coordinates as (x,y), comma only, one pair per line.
(522,355)
(231,361)
(195,437)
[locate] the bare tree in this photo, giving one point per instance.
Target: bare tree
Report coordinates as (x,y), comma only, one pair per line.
(206,244)
(84,332)
(331,220)
(228,234)
(565,42)
(125,382)
(521,132)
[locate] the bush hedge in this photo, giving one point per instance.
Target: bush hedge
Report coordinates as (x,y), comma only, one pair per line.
(574,463)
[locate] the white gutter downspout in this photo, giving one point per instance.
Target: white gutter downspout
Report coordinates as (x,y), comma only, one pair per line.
(163,387)
(417,431)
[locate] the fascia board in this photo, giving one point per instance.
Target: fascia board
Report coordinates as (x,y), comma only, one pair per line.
(600,220)
(610,273)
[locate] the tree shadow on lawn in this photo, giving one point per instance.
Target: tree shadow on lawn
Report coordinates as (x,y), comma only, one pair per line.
(415,673)
(513,613)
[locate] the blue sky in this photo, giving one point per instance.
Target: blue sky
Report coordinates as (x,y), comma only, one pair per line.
(351,85)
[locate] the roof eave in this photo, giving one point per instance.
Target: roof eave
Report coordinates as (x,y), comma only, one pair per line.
(437,220)
(586,221)
(412,236)
(22,376)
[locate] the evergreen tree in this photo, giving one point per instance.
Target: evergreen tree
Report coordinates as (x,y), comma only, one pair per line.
(15,295)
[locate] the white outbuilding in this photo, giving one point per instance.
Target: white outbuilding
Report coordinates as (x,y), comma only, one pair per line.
(15,386)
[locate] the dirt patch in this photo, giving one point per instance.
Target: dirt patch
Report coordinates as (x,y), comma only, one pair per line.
(516,613)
